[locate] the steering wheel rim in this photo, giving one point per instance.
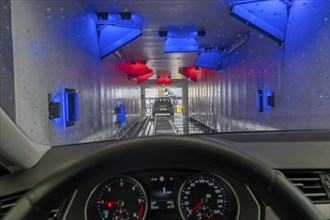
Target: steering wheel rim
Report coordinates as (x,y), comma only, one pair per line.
(168,152)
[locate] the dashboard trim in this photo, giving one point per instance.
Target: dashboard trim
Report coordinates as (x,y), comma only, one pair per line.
(70,204)
(256,201)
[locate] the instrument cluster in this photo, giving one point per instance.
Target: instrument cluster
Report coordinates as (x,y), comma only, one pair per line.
(197,196)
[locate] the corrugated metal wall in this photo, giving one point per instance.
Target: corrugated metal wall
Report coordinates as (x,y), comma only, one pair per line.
(57,48)
(298,73)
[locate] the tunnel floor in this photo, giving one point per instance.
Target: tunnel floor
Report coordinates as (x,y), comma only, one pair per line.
(164,124)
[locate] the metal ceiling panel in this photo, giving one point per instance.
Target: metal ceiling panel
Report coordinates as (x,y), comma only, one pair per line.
(209,15)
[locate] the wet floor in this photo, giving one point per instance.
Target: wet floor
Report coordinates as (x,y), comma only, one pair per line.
(174,125)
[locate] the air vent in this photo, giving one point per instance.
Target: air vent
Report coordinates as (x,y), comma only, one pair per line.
(314,184)
(53,214)
(8,202)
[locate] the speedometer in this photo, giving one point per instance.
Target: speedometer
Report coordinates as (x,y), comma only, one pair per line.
(207,196)
(119,198)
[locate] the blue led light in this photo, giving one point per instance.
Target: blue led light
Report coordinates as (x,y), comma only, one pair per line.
(211,60)
(181,39)
(265,100)
(260,100)
(71,106)
(269,17)
(113,37)
(179,45)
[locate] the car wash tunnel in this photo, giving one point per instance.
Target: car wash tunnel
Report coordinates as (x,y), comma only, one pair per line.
(97,70)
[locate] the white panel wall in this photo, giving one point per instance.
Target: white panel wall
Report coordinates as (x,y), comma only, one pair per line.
(55,47)
(298,73)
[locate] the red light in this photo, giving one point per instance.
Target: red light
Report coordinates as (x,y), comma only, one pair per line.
(164,80)
(137,69)
(143,78)
(190,72)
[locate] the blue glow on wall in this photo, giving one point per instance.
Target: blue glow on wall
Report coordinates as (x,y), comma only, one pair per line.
(113,37)
(120,115)
(269,17)
(211,59)
(265,100)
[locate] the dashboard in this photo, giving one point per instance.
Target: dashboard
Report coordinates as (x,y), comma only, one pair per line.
(163,194)
(184,189)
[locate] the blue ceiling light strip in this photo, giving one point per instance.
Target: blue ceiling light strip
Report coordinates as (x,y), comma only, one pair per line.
(270,17)
(180,45)
(113,37)
(71,106)
(181,39)
(210,58)
(116,30)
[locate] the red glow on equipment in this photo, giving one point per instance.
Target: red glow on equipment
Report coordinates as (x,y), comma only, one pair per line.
(164,80)
(136,69)
(190,72)
(144,77)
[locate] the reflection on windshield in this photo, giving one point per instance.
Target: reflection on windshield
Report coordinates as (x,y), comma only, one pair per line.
(73,72)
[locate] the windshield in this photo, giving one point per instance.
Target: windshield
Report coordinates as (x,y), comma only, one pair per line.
(82,71)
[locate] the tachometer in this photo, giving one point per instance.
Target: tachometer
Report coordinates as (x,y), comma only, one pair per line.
(117,198)
(206,196)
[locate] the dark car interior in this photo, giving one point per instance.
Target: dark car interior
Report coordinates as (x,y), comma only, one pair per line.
(243,134)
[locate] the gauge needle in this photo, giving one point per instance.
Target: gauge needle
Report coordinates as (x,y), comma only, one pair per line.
(197,206)
(140,212)
(109,204)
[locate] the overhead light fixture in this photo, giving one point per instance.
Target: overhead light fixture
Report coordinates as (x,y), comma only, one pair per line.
(180,45)
(189,72)
(269,17)
(243,39)
(141,79)
(118,54)
(102,16)
(201,33)
(135,69)
(115,30)
(221,49)
(210,58)
(181,39)
(163,80)
(162,33)
(113,37)
(125,15)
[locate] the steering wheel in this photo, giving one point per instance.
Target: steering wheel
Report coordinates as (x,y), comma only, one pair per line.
(168,152)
